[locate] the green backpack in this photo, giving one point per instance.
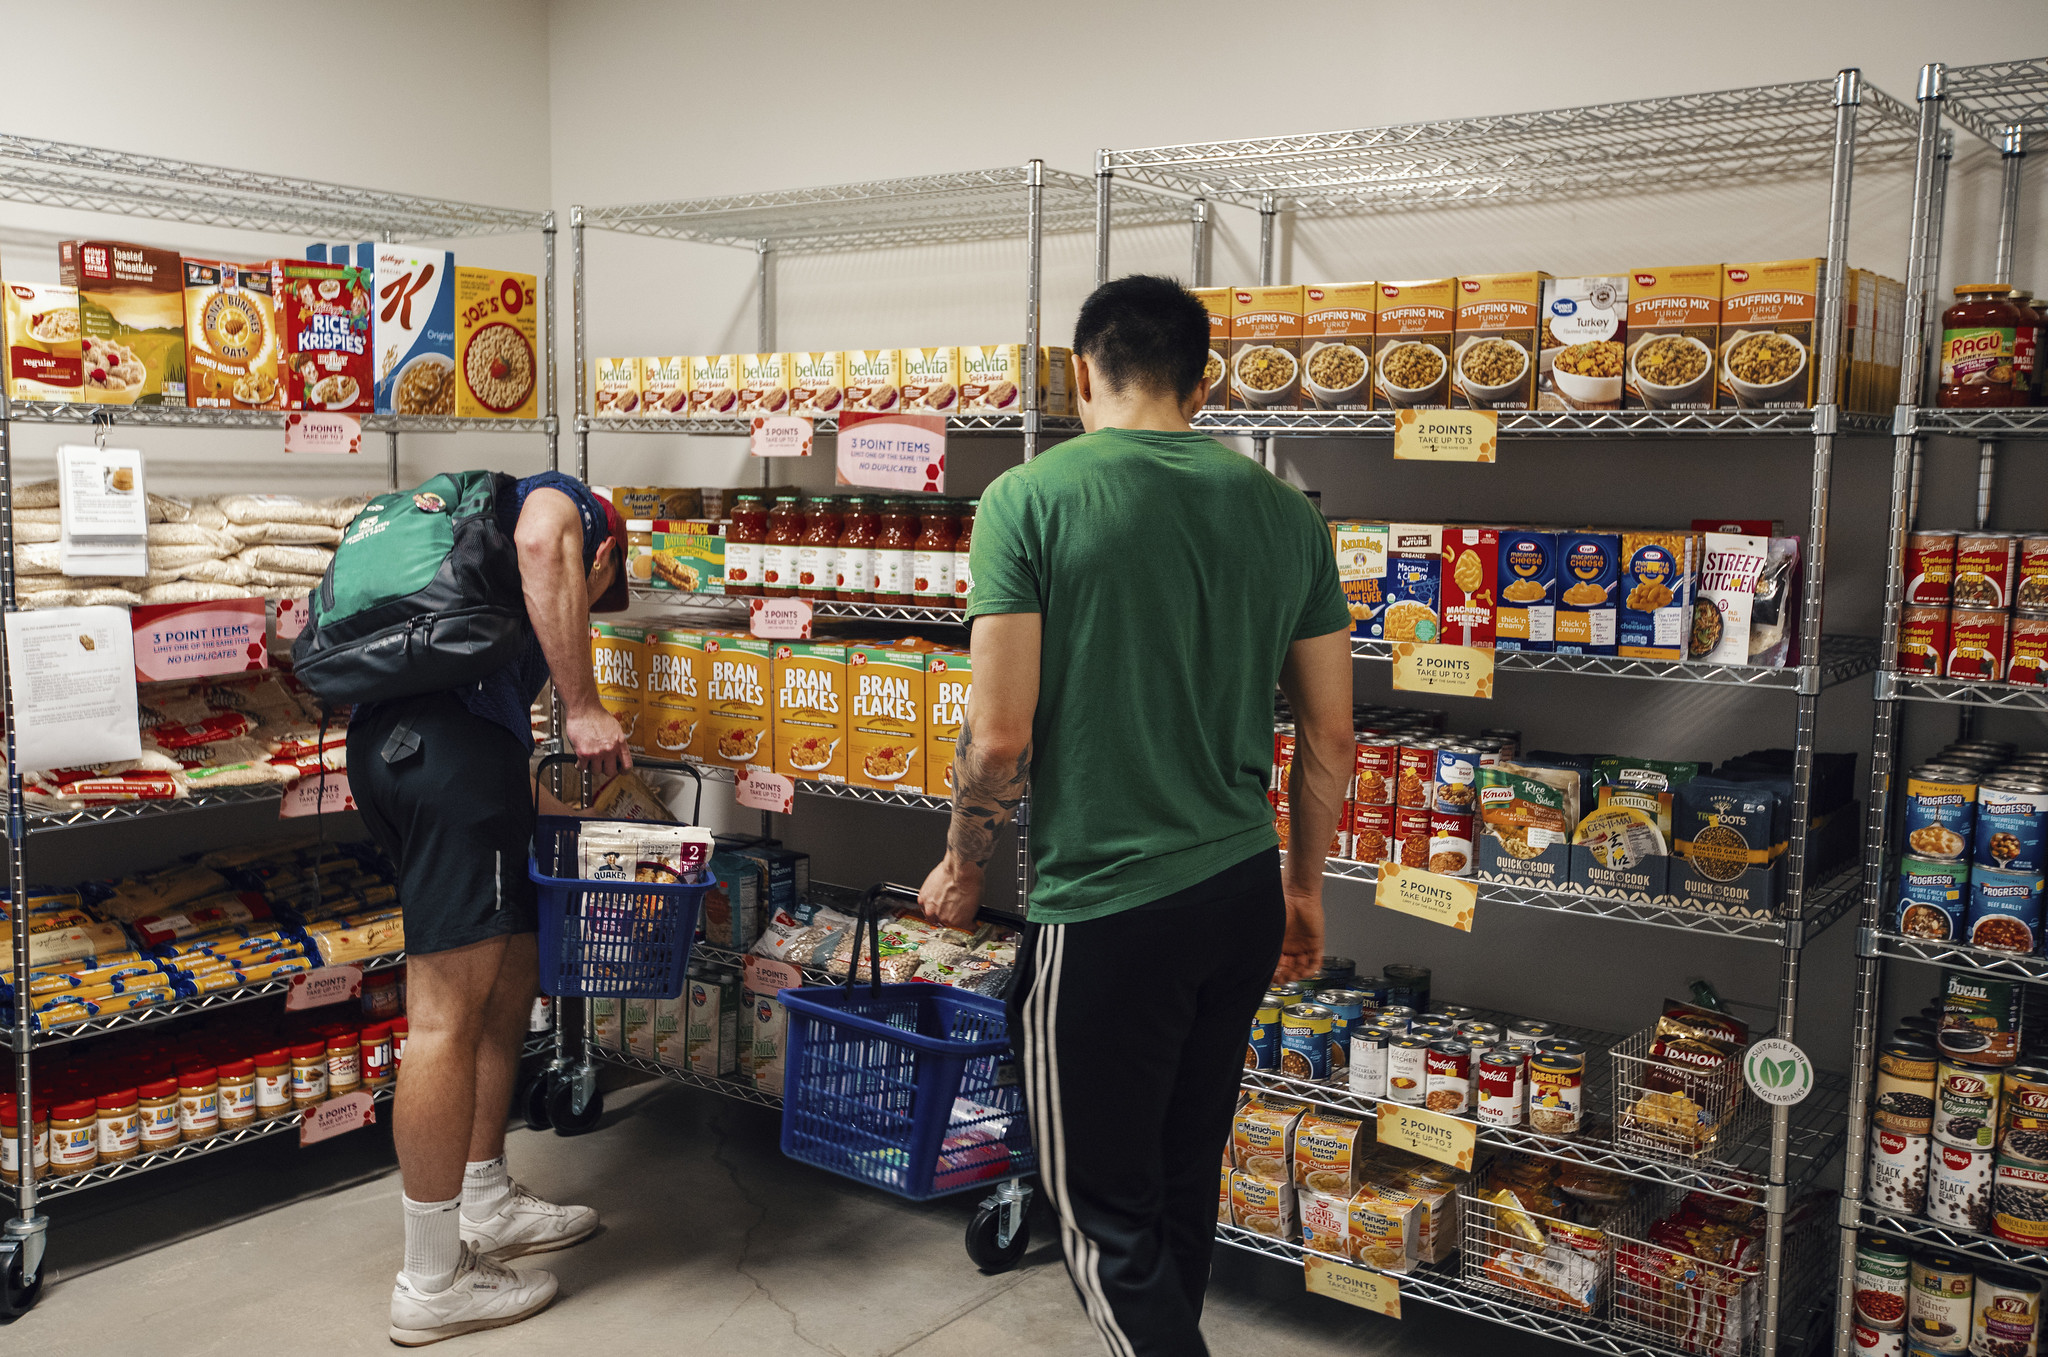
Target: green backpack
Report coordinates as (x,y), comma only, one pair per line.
(423,595)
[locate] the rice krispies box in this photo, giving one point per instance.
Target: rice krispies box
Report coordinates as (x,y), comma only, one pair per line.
(323,333)
(1470,586)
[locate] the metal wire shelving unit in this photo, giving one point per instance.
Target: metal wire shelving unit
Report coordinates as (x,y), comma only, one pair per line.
(2004,105)
(1807,129)
(55,174)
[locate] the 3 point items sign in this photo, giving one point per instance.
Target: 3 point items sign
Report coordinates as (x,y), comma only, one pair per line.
(324,986)
(1777,1072)
(893,452)
(191,640)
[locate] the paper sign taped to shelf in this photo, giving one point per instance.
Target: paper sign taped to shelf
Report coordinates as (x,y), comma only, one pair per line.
(766,791)
(893,452)
(326,985)
(323,432)
(780,619)
(1447,671)
(72,672)
(780,436)
(1353,1285)
(291,618)
(1447,900)
(349,1112)
(768,976)
(1448,1140)
(191,640)
(315,794)
(1446,435)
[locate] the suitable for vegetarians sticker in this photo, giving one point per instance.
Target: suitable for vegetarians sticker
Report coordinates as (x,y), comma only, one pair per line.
(766,791)
(1447,900)
(324,986)
(1353,1285)
(780,436)
(1446,435)
(1448,1140)
(323,432)
(189,640)
(1449,671)
(349,1112)
(892,451)
(1777,1072)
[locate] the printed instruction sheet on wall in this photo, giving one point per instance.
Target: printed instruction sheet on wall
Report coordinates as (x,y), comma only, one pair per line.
(104,517)
(73,675)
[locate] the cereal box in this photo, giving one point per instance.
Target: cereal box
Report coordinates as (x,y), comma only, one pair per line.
(992,380)
(737,702)
(689,556)
(931,380)
(1470,586)
(1674,322)
(1336,344)
(1527,616)
(497,317)
(1411,346)
(615,388)
(817,383)
(1588,578)
(323,333)
(230,337)
(948,681)
(1658,570)
(810,710)
(885,733)
(1386,1228)
(1265,348)
(1583,344)
(1361,568)
(733,906)
(665,386)
(618,661)
(764,383)
(1216,300)
(673,695)
(1768,323)
(43,351)
(131,319)
(1731,568)
(414,330)
(1494,340)
(874,380)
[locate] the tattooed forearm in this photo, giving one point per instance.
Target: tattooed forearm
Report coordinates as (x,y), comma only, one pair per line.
(984,799)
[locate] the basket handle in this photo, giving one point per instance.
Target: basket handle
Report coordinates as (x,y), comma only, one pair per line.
(553,760)
(870,921)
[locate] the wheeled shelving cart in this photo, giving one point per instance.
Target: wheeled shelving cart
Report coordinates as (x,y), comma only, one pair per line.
(2002,104)
(63,175)
(1804,129)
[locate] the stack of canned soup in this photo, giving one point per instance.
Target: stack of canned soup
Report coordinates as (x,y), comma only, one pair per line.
(1976,836)
(1976,607)
(1914,1303)
(1383,1040)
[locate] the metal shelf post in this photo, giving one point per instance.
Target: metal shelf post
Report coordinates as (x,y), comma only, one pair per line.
(1198,248)
(1034,287)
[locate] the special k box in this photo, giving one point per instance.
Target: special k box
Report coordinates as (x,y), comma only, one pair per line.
(885,730)
(1674,321)
(738,701)
(1265,348)
(810,710)
(948,682)
(1768,319)
(1337,322)
(1411,343)
(1216,301)
(1495,340)
(1471,584)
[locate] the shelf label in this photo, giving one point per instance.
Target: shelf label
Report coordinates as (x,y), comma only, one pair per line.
(189,640)
(337,1116)
(1777,1072)
(1448,1140)
(323,432)
(779,619)
(1353,1285)
(893,452)
(1447,671)
(780,436)
(324,986)
(1446,435)
(766,791)
(315,793)
(767,976)
(1447,900)
(291,618)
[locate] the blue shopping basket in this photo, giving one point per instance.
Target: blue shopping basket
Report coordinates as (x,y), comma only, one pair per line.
(910,1088)
(607,937)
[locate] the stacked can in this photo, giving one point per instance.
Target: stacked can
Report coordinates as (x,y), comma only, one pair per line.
(1975,607)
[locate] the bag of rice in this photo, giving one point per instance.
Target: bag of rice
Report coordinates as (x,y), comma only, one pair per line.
(290,582)
(303,534)
(36,495)
(274,509)
(191,535)
(35,532)
(342,509)
(298,560)
(212,571)
(192,591)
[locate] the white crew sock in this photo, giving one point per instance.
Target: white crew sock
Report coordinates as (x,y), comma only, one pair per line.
(486,1187)
(433,1243)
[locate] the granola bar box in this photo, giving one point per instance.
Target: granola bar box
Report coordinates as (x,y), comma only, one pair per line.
(1265,348)
(1658,574)
(1337,324)
(1494,340)
(1769,326)
(1674,322)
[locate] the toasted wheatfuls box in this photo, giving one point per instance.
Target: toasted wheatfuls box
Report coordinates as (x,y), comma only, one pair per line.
(1494,340)
(810,710)
(131,315)
(886,728)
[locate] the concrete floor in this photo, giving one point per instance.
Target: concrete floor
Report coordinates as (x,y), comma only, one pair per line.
(713,1244)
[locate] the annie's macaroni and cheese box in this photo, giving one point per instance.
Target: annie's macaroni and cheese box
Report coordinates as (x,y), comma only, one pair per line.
(1674,323)
(738,701)
(1769,319)
(1337,323)
(885,734)
(810,710)
(948,682)
(1361,568)
(1216,301)
(1411,344)
(1494,340)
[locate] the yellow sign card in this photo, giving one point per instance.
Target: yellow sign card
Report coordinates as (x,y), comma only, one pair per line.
(1448,671)
(1447,900)
(1448,1140)
(1446,435)
(1353,1285)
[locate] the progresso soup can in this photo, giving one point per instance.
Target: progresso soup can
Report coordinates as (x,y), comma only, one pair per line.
(1941,811)
(1305,1042)
(2012,822)
(1933,898)
(1262,1051)
(2005,910)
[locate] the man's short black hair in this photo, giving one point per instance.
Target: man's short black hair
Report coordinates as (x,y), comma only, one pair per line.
(1144,332)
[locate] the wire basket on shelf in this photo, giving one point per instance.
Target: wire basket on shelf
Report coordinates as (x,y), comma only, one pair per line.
(1679,1111)
(1707,1306)
(1538,1260)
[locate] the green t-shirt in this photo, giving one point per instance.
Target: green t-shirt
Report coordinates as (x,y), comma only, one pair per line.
(1172,575)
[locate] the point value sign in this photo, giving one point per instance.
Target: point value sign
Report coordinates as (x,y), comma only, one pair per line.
(1777,1072)
(1450,671)
(1446,435)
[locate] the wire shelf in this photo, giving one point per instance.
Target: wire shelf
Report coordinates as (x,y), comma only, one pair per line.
(182,417)
(729,1088)
(41,821)
(1956,955)
(823,608)
(2015,423)
(736,960)
(1841,658)
(537,1044)
(63,174)
(1680,141)
(1989,98)
(1059,425)
(928,209)
(2006,696)
(1550,423)
(839,791)
(1983,1247)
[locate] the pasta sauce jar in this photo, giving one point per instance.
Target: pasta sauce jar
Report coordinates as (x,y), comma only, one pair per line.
(744,535)
(786,523)
(895,543)
(963,569)
(816,554)
(931,560)
(853,563)
(1978,335)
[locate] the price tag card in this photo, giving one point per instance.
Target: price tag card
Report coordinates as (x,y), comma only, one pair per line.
(349,1112)
(766,791)
(317,793)
(766,976)
(1446,435)
(1353,1285)
(326,985)
(1448,1140)
(780,436)
(780,619)
(323,432)
(1447,671)
(189,640)
(1447,900)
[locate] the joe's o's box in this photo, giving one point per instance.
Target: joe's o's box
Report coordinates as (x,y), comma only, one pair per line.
(497,319)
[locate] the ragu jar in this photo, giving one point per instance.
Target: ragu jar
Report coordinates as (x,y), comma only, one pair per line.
(963,573)
(1978,335)
(744,536)
(853,569)
(778,553)
(817,555)
(932,559)
(894,543)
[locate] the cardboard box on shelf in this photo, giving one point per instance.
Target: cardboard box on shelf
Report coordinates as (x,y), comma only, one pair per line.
(1674,325)
(817,383)
(1411,345)
(874,380)
(230,337)
(323,332)
(1264,362)
(1585,329)
(497,326)
(615,388)
(665,386)
(1337,326)
(811,710)
(1494,334)
(131,318)
(413,332)
(1216,301)
(931,380)
(738,702)
(949,681)
(764,384)
(43,346)
(886,728)
(1769,321)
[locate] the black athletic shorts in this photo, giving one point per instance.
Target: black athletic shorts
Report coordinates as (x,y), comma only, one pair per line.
(456,816)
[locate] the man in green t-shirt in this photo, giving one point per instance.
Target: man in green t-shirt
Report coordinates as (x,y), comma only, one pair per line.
(1138,592)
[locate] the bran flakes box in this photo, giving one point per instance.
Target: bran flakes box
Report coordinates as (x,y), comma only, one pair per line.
(737,701)
(131,320)
(1588,580)
(44,355)
(874,380)
(665,386)
(1216,301)
(1674,324)
(810,710)
(817,382)
(715,386)
(230,337)
(1658,572)
(1264,362)
(413,331)
(1412,327)
(1361,569)
(497,343)
(764,383)
(615,388)
(886,729)
(1583,344)
(949,682)
(1526,618)
(1494,340)
(618,662)
(1769,317)
(1470,586)
(931,380)
(672,699)
(1337,323)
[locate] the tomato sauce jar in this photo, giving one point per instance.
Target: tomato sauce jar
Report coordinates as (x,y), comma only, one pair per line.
(931,560)
(891,578)
(786,524)
(817,553)
(744,536)
(1978,335)
(853,564)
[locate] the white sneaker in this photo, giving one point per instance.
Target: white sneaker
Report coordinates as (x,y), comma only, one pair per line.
(526,1224)
(484,1295)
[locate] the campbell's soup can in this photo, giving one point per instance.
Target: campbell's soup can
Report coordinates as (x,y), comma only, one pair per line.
(2026,648)
(1511,740)
(1895,1179)
(1985,565)
(2030,588)
(1450,842)
(1376,770)
(1408,1070)
(1531,1030)
(1411,836)
(1262,1051)
(1480,1035)
(1923,641)
(1366,1070)
(1415,786)
(1930,568)
(1498,1079)
(1447,1078)
(1977,640)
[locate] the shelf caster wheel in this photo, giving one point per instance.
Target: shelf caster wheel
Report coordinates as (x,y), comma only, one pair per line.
(561,1108)
(533,1101)
(17,1297)
(983,1235)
